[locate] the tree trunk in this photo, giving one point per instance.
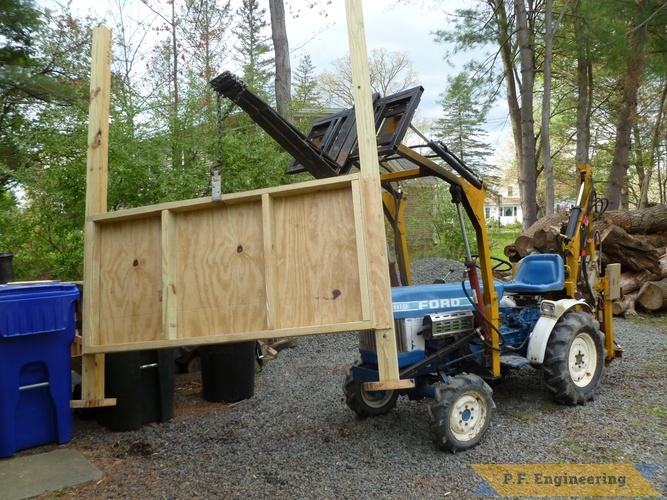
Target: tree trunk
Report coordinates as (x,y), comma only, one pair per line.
(630,281)
(527,172)
(546,108)
(505,44)
(655,141)
(647,221)
(631,83)
(283,78)
(633,254)
(654,295)
(584,87)
(625,307)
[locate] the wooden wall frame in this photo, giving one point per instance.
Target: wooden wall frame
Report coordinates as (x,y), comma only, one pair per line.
(278,262)
(303,259)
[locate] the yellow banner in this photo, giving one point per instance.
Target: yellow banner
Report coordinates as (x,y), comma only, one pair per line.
(566,480)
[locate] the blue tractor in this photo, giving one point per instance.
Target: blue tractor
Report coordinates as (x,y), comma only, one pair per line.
(454,340)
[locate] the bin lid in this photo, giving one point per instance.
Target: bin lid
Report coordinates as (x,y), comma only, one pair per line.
(33,308)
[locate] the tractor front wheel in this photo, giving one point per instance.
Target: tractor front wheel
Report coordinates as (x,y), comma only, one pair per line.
(367,403)
(574,358)
(461,412)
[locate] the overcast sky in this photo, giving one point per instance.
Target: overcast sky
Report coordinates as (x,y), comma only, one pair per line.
(406,25)
(395,26)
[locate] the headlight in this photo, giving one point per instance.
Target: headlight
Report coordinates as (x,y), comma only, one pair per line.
(547,308)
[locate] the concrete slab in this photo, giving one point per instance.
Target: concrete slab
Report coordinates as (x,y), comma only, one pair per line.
(24,477)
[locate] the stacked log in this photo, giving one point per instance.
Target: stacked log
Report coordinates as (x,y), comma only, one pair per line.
(635,239)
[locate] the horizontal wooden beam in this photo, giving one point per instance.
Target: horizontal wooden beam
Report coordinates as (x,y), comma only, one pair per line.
(230,337)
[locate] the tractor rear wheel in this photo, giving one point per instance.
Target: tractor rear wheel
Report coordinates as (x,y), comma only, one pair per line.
(461,412)
(574,358)
(367,403)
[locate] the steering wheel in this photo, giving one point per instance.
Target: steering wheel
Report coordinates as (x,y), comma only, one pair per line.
(501,266)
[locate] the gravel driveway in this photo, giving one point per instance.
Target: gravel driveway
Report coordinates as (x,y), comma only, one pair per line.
(296,438)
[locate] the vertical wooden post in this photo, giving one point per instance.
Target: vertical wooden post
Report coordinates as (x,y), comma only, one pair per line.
(382,319)
(92,374)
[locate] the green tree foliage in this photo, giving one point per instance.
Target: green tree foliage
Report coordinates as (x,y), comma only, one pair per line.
(44,213)
(19,19)
(464,110)
(599,53)
(305,92)
(253,49)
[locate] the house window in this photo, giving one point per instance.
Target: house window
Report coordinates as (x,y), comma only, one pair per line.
(507,212)
(487,212)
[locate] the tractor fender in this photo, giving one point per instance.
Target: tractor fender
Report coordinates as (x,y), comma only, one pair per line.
(550,313)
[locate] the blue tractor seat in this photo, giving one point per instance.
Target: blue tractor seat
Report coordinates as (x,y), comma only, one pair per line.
(538,273)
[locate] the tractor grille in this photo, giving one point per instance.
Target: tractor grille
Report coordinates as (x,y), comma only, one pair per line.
(367,338)
(446,324)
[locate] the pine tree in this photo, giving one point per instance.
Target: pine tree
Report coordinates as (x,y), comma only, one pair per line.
(306,94)
(464,112)
(254,46)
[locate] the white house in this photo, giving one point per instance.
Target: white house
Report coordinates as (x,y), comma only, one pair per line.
(503,206)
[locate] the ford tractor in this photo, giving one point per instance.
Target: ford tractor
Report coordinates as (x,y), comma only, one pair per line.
(455,340)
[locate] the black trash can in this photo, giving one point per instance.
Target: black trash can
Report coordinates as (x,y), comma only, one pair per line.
(143,384)
(228,371)
(6,268)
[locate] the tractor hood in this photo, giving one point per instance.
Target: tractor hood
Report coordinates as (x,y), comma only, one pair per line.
(417,301)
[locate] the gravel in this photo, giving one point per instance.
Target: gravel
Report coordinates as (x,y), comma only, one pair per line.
(296,438)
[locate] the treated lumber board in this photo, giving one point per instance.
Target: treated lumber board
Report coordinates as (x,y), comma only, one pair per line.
(92,371)
(362,245)
(231,337)
(226,199)
(169,268)
(270,262)
(371,197)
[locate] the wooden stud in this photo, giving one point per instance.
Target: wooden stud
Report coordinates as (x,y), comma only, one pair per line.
(362,252)
(373,219)
(92,371)
(169,266)
(270,270)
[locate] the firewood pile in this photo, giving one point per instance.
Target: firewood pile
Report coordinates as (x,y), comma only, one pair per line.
(636,239)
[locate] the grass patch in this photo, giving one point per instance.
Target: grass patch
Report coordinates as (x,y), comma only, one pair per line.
(549,405)
(499,238)
(658,411)
(655,319)
(526,417)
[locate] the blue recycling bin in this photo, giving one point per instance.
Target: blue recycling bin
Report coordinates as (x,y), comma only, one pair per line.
(36,330)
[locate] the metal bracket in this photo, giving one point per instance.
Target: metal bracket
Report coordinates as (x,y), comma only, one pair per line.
(216,187)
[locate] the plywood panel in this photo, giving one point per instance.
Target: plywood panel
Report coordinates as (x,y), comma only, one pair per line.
(317,259)
(130,287)
(283,261)
(220,271)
